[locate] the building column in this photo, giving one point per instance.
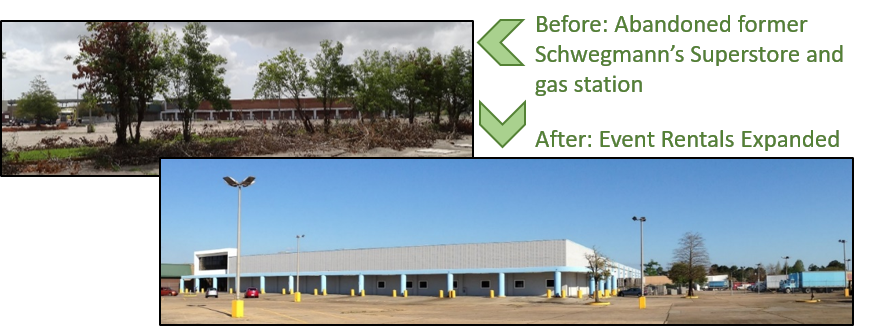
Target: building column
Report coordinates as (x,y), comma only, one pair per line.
(337,114)
(592,285)
(262,284)
(271,114)
(501,285)
(361,283)
(181,286)
(558,283)
(314,114)
(402,283)
(291,283)
(211,115)
(450,282)
(323,283)
(215,282)
(197,284)
(614,284)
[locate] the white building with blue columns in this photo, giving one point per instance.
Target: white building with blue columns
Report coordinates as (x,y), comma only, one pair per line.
(526,268)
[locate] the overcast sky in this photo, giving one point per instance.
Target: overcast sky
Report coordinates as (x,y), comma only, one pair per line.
(39,48)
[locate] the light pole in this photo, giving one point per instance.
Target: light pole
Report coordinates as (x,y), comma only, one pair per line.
(237,304)
(641,265)
(758,278)
(787,265)
(844,245)
(298,277)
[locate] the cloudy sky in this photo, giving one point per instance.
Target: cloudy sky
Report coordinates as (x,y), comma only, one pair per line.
(39,48)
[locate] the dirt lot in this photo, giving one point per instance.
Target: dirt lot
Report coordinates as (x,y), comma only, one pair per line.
(715,308)
(442,148)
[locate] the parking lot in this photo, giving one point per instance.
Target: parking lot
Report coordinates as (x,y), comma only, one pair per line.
(711,307)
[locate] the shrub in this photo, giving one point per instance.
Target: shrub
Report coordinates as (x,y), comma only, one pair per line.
(90,129)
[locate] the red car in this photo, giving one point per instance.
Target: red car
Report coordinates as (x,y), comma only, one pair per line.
(168,291)
(252,293)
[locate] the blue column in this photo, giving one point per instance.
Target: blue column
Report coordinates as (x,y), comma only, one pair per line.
(501,286)
(323,283)
(558,289)
(197,284)
(602,285)
(262,283)
(181,287)
(614,281)
(450,282)
(592,285)
(215,282)
(291,283)
(402,283)
(361,283)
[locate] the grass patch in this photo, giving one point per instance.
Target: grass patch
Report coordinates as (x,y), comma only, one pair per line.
(63,153)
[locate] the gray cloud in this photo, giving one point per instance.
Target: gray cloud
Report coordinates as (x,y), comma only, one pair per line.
(39,48)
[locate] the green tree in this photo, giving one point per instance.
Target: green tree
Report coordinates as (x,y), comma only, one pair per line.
(39,103)
(147,71)
(692,252)
(797,267)
(285,73)
(114,62)
(680,273)
(330,76)
(650,268)
(412,71)
(813,268)
(192,74)
(436,90)
(369,91)
(835,265)
(459,79)
(598,269)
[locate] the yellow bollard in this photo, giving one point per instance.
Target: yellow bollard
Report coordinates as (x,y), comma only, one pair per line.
(394,293)
(361,293)
(237,309)
(315,292)
(283,291)
(231,291)
(492,294)
(846,292)
(641,302)
(440,294)
(564,293)
(352,292)
(202,290)
(405,293)
(323,292)
(297,296)
(548,293)
(262,290)
(579,294)
(453,293)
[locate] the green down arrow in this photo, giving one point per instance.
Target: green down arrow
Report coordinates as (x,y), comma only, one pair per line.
(505,131)
(492,42)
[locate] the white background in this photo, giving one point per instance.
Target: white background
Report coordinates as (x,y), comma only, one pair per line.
(690,97)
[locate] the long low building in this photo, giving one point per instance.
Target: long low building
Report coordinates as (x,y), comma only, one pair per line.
(525,268)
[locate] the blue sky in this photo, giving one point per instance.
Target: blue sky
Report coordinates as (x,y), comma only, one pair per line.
(749,211)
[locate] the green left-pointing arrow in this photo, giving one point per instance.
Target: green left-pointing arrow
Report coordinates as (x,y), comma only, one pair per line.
(502,132)
(492,42)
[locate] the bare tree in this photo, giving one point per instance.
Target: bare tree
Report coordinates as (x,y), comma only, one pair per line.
(691,251)
(598,269)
